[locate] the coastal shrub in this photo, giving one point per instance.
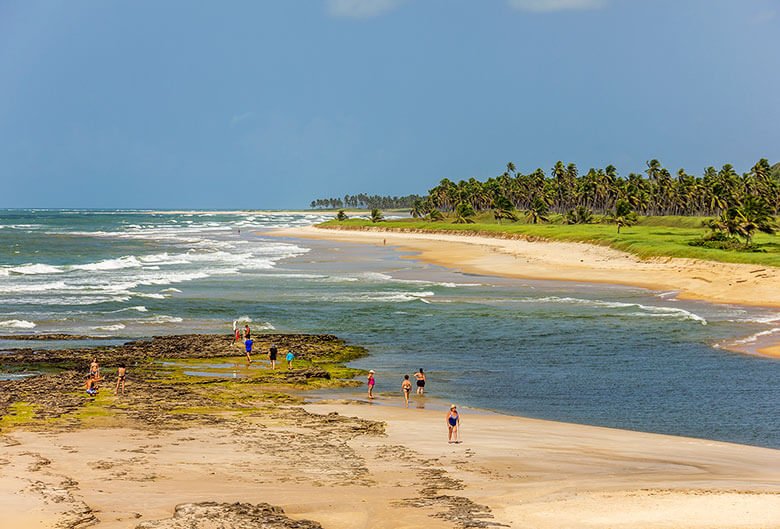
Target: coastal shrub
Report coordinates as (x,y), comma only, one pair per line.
(719,240)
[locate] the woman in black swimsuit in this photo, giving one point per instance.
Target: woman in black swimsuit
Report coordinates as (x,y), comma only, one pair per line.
(420,376)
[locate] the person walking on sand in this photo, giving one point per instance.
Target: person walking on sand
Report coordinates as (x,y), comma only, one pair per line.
(420,376)
(272,355)
(248,344)
(453,422)
(290,358)
(371,384)
(121,373)
(406,387)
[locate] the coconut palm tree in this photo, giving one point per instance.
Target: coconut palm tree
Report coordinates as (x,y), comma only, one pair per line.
(623,215)
(537,212)
(435,215)
(376,215)
(340,216)
(503,209)
(464,213)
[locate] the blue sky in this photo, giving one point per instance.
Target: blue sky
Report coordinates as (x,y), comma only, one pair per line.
(273,103)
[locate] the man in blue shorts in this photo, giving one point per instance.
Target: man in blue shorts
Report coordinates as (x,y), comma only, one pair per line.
(248,345)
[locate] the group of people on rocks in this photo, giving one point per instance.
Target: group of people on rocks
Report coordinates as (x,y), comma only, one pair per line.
(246,337)
(453,417)
(92,383)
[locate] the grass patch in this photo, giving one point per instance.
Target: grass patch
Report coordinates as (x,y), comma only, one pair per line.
(644,239)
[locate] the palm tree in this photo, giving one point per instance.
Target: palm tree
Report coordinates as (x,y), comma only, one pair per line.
(537,212)
(503,209)
(341,216)
(752,216)
(623,215)
(418,209)
(376,215)
(435,215)
(579,215)
(464,213)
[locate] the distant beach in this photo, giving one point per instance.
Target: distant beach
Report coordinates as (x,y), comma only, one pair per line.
(564,261)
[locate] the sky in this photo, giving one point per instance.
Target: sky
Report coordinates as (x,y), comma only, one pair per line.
(271,104)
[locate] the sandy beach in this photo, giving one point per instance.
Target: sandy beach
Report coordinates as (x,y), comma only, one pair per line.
(564,261)
(348,464)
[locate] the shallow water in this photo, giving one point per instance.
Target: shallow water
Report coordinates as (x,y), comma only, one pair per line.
(596,354)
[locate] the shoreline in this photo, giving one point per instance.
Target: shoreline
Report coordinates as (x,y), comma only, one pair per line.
(709,281)
(261,448)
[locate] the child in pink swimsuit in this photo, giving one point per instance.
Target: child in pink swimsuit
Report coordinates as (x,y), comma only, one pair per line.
(371,383)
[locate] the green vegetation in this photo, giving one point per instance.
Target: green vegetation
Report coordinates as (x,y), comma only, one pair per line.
(364,201)
(18,414)
(567,206)
(649,237)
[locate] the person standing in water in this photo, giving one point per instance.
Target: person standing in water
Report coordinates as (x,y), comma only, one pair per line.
(272,355)
(420,376)
(121,373)
(371,384)
(453,421)
(406,388)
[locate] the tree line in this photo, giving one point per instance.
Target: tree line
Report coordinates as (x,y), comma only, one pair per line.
(363,201)
(600,190)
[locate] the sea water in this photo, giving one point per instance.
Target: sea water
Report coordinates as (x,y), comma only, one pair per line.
(596,354)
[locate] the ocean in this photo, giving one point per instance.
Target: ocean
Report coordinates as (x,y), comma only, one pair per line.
(595,354)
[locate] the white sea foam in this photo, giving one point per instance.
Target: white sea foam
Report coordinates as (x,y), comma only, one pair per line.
(109,328)
(17,324)
(162,319)
(755,337)
(149,295)
(648,310)
(170,290)
(128,261)
(244,319)
(390,297)
(138,308)
(35,269)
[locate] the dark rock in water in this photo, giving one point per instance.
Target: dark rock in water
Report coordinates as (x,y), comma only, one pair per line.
(305,346)
(212,515)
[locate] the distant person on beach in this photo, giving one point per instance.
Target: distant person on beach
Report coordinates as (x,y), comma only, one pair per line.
(290,358)
(236,332)
(94,369)
(453,421)
(272,355)
(406,387)
(248,344)
(247,332)
(121,373)
(420,376)
(371,384)
(91,386)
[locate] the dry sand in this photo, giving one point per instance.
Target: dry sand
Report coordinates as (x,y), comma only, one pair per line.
(510,471)
(567,261)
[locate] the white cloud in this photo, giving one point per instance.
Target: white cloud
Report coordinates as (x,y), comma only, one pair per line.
(361,8)
(545,6)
